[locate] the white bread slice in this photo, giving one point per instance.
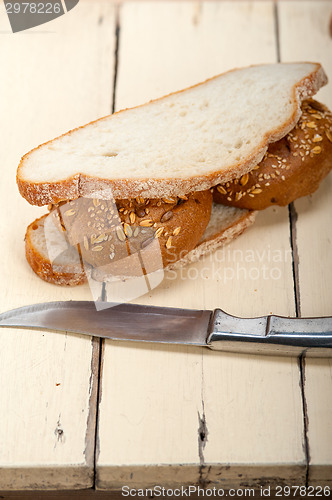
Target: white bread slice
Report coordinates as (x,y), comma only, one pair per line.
(226,223)
(187,141)
(66,269)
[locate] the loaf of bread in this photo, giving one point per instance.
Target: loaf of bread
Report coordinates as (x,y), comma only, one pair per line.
(187,141)
(291,168)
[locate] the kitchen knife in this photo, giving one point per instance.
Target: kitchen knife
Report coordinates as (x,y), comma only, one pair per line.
(214,329)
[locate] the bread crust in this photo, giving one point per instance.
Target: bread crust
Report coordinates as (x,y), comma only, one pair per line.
(292,167)
(64,276)
(81,185)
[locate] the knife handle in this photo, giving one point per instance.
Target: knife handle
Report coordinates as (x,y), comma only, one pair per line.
(271,335)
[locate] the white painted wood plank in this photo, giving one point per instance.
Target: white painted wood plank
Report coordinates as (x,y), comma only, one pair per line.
(310,21)
(253,404)
(54,78)
(177,49)
(155,437)
(150,402)
(314,225)
(254,421)
(318,390)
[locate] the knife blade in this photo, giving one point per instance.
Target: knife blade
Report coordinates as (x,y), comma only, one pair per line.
(214,329)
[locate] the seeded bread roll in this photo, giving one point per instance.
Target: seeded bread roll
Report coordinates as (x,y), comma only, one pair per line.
(226,223)
(161,230)
(291,168)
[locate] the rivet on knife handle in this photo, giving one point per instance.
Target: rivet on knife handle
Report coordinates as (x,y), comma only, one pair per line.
(271,335)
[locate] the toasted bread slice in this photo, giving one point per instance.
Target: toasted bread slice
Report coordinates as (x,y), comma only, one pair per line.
(187,141)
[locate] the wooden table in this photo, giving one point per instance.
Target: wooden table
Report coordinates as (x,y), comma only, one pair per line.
(80,414)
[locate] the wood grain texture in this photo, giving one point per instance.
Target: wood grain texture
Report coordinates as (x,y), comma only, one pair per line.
(54,77)
(171,415)
(305,33)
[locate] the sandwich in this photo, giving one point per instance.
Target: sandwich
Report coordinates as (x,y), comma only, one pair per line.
(160,185)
